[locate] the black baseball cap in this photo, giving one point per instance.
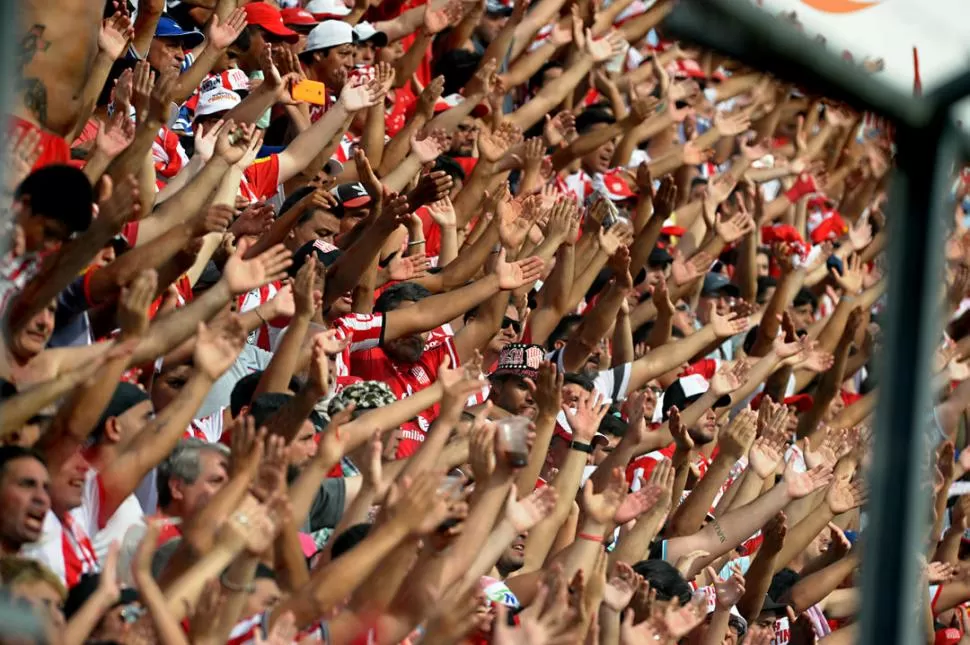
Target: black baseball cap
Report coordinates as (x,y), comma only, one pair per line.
(125,397)
(326,253)
(685,391)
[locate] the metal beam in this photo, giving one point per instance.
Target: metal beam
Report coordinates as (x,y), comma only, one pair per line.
(897,512)
(760,40)
(9,41)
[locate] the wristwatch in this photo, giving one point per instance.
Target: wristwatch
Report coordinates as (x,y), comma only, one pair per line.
(581,447)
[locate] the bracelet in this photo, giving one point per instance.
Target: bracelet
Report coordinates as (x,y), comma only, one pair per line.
(416,243)
(590,537)
(224,581)
(260,316)
(581,447)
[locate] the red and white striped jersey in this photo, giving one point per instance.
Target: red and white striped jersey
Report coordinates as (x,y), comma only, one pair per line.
(366,331)
(266,335)
(209,429)
(65,548)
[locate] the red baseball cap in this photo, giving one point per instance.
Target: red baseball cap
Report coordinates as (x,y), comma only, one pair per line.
(298,17)
(268,17)
(830,228)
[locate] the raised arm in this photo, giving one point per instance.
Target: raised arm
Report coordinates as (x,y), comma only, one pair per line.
(215,351)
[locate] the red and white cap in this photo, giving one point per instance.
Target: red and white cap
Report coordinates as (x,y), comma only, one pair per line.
(454,100)
(614,185)
(323,9)
(215,100)
(231,79)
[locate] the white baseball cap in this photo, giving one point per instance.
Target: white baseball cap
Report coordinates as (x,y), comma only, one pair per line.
(322,9)
(216,99)
(329,33)
(366,32)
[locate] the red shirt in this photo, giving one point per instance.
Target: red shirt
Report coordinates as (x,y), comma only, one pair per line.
(261,179)
(406,379)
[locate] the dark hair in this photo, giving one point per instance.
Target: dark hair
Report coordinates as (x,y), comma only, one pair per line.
(593,116)
(749,339)
(562,329)
(262,571)
(450,166)
(805,297)
(665,580)
(292,200)
(394,295)
(12,453)
(765,282)
(245,388)
(613,423)
(266,405)
(117,68)
(59,192)
(458,66)
(782,582)
(537,80)
(350,538)
(578,379)
(244,41)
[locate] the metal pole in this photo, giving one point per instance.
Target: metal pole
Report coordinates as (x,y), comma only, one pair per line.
(898,504)
(9,40)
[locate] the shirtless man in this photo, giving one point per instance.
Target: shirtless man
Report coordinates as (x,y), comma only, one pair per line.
(58,41)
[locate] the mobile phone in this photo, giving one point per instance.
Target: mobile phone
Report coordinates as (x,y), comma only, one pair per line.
(310,91)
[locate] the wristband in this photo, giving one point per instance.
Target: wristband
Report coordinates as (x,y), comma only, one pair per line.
(590,537)
(581,447)
(224,581)
(804,185)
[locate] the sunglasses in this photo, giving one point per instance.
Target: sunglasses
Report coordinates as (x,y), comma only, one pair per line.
(514,324)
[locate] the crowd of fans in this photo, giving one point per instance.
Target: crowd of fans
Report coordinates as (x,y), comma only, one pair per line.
(443,321)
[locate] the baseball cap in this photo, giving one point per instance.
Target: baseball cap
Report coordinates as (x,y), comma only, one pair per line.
(215,100)
(520,359)
(366,395)
(268,17)
(125,397)
(86,587)
(445,103)
(326,253)
(659,256)
(352,195)
(499,7)
(685,391)
(323,9)
(297,17)
(718,283)
(168,28)
(366,32)
(329,33)
(614,186)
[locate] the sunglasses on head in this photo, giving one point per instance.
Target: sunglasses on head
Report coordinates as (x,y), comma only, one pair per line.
(514,324)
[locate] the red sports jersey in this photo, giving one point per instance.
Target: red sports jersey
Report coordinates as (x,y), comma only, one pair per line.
(366,331)
(406,379)
(260,180)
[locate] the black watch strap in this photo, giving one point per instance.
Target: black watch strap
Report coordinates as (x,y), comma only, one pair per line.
(581,447)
